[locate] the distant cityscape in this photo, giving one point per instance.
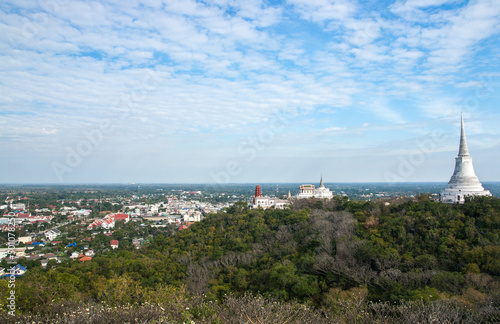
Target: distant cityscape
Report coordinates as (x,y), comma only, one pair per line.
(79,222)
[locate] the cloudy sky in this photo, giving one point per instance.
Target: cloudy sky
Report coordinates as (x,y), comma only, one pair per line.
(247,90)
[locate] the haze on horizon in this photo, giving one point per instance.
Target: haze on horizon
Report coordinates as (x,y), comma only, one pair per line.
(152,91)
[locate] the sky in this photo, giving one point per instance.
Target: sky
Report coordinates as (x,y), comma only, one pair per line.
(247,91)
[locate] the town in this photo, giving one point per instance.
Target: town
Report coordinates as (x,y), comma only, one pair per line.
(53,224)
(48,233)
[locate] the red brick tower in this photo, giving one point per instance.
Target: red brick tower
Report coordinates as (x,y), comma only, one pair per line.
(257,193)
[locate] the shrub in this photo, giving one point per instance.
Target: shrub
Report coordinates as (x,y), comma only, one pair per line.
(448,281)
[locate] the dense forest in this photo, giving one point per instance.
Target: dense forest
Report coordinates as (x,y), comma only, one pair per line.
(404,260)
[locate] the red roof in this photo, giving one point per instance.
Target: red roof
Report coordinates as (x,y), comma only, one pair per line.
(114,242)
(85,258)
(183,227)
(121,216)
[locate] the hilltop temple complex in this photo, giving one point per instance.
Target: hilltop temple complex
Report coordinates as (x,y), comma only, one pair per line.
(308,191)
(463,183)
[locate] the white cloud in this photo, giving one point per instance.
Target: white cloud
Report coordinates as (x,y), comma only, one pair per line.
(333,129)
(224,67)
(362,31)
(323,10)
(450,36)
(468,84)
(371,53)
(381,109)
(413,8)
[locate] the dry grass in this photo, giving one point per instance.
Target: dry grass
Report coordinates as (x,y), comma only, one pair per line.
(250,309)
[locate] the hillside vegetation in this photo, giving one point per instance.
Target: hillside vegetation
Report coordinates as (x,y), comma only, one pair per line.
(320,261)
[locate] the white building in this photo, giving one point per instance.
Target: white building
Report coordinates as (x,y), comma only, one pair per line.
(108,222)
(267,202)
(193,216)
(138,242)
(74,255)
(52,234)
(17,252)
(24,239)
(308,191)
(114,244)
(81,212)
(464,181)
(66,210)
(20,207)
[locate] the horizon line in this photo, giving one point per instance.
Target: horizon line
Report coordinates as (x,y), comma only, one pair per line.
(219,184)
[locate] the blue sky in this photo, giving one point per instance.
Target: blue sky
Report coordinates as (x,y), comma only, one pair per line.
(247,91)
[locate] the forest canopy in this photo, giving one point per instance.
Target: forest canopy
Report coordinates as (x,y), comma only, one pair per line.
(317,254)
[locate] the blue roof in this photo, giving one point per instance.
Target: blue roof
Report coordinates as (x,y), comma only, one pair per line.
(8,275)
(20,267)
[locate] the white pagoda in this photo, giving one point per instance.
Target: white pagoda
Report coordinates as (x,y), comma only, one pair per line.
(464,181)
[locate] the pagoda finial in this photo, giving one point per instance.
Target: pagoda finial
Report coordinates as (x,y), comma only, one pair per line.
(464,150)
(321,185)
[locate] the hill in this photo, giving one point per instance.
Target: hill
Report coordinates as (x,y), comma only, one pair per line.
(322,255)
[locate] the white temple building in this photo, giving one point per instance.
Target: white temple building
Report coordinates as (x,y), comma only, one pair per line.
(308,191)
(260,201)
(464,181)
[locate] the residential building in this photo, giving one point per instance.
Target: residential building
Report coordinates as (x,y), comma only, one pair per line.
(24,239)
(18,252)
(18,207)
(74,255)
(81,212)
(50,256)
(52,234)
(138,242)
(17,270)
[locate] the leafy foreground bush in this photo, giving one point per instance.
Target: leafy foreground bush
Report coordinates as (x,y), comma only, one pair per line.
(249,309)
